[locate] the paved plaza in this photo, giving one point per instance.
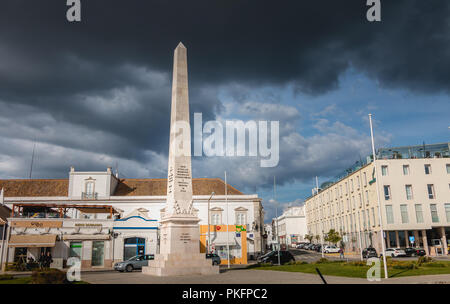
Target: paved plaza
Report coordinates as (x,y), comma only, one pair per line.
(249,276)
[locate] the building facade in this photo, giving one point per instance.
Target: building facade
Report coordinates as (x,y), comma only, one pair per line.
(414,189)
(292,226)
(103,219)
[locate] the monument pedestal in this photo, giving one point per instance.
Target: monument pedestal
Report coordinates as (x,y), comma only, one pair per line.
(180,250)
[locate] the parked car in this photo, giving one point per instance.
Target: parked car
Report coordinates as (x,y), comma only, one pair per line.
(330,249)
(214,257)
(369,253)
(318,248)
(412,252)
(272,257)
(301,245)
(395,252)
(133,263)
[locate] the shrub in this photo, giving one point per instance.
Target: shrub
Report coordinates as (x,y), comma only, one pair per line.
(434,264)
(356,263)
(424,259)
(48,276)
(322,260)
(6,277)
(301,263)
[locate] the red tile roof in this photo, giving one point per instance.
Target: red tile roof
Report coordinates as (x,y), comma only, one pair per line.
(126,187)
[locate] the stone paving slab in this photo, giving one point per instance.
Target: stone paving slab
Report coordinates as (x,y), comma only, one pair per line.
(250,276)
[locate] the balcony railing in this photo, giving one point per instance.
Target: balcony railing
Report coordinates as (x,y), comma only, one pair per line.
(89,195)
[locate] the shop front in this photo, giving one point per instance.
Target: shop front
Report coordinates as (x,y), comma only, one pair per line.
(234,238)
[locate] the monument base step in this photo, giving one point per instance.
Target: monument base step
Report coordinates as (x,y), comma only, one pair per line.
(179,264)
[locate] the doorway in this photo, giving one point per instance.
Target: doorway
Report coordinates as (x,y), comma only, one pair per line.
(133,246)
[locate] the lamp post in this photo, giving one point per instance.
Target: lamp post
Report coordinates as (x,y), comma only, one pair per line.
(378,198)
(209,230)
(276,216)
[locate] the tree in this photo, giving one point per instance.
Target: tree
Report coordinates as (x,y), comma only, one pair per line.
(309,237)
(332,236)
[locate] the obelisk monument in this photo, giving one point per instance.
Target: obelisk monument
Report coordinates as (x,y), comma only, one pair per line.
(180,234)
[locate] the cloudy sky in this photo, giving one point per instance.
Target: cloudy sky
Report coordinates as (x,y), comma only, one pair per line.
(97,93)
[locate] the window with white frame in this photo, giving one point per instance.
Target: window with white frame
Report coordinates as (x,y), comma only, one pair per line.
(447,212)
(434,213)
(387,192)
(427,169)
(404,213)
(384,170)
(405,169)
(389,214)
(430,188)
(419,213)
(448,168)
(409,193)
(216,216)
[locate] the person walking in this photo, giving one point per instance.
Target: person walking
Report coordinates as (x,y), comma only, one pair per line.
(341,253)
(41,260)
(48,259)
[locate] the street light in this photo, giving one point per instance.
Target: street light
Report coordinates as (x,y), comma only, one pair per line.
(272,201)
(209,230)
(378,198)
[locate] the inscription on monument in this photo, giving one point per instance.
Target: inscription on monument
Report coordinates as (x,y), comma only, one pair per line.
(183,177)
(185,237)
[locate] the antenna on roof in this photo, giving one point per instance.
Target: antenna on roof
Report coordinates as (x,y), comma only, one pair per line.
(32,158)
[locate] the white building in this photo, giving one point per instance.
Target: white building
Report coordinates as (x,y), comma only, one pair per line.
(103,219)
(414,187)
(291,226)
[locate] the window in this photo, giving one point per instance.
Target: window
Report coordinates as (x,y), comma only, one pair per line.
(448,168)
(447,212)
(409,194)
(365,179)
(241,218)
(351,181)
(373,216)
(405,169)
(427,169)
(384,170)
(215,218)
(434,213)
(368,218)
(387,192)
(358,182)
(404,213)
(360,200)
(367,197)
(363,213)
(419,213)
(430,188)
(75,249)
(389,214)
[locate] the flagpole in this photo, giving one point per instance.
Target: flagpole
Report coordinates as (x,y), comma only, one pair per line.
(226,203)
(276,214)
(377,185)
(321,235)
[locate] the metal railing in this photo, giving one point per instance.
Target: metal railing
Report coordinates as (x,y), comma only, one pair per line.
(89,195)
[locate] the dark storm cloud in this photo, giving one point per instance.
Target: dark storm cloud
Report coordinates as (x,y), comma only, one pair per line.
(106,81)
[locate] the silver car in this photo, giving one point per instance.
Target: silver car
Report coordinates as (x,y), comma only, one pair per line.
(133,263)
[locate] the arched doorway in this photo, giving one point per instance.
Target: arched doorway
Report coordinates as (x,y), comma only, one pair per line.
(133,246)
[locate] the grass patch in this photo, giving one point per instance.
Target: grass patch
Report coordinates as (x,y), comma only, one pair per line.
(20,280)
(358,269)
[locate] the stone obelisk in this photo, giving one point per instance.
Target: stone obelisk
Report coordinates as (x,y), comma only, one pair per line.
(180,235)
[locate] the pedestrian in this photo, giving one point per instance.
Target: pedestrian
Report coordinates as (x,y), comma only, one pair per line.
(41,260)
(48,259)
(341,253)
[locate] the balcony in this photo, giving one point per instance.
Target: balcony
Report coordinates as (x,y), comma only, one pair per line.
(89,195)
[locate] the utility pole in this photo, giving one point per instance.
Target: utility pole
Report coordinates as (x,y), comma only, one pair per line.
(209,230)
(377,185)
(228,237)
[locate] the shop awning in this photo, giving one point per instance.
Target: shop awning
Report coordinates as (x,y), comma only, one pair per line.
(32,240)
(82,237)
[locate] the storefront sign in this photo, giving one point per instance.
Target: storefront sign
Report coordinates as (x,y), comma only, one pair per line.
(88,225)
(36,224)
